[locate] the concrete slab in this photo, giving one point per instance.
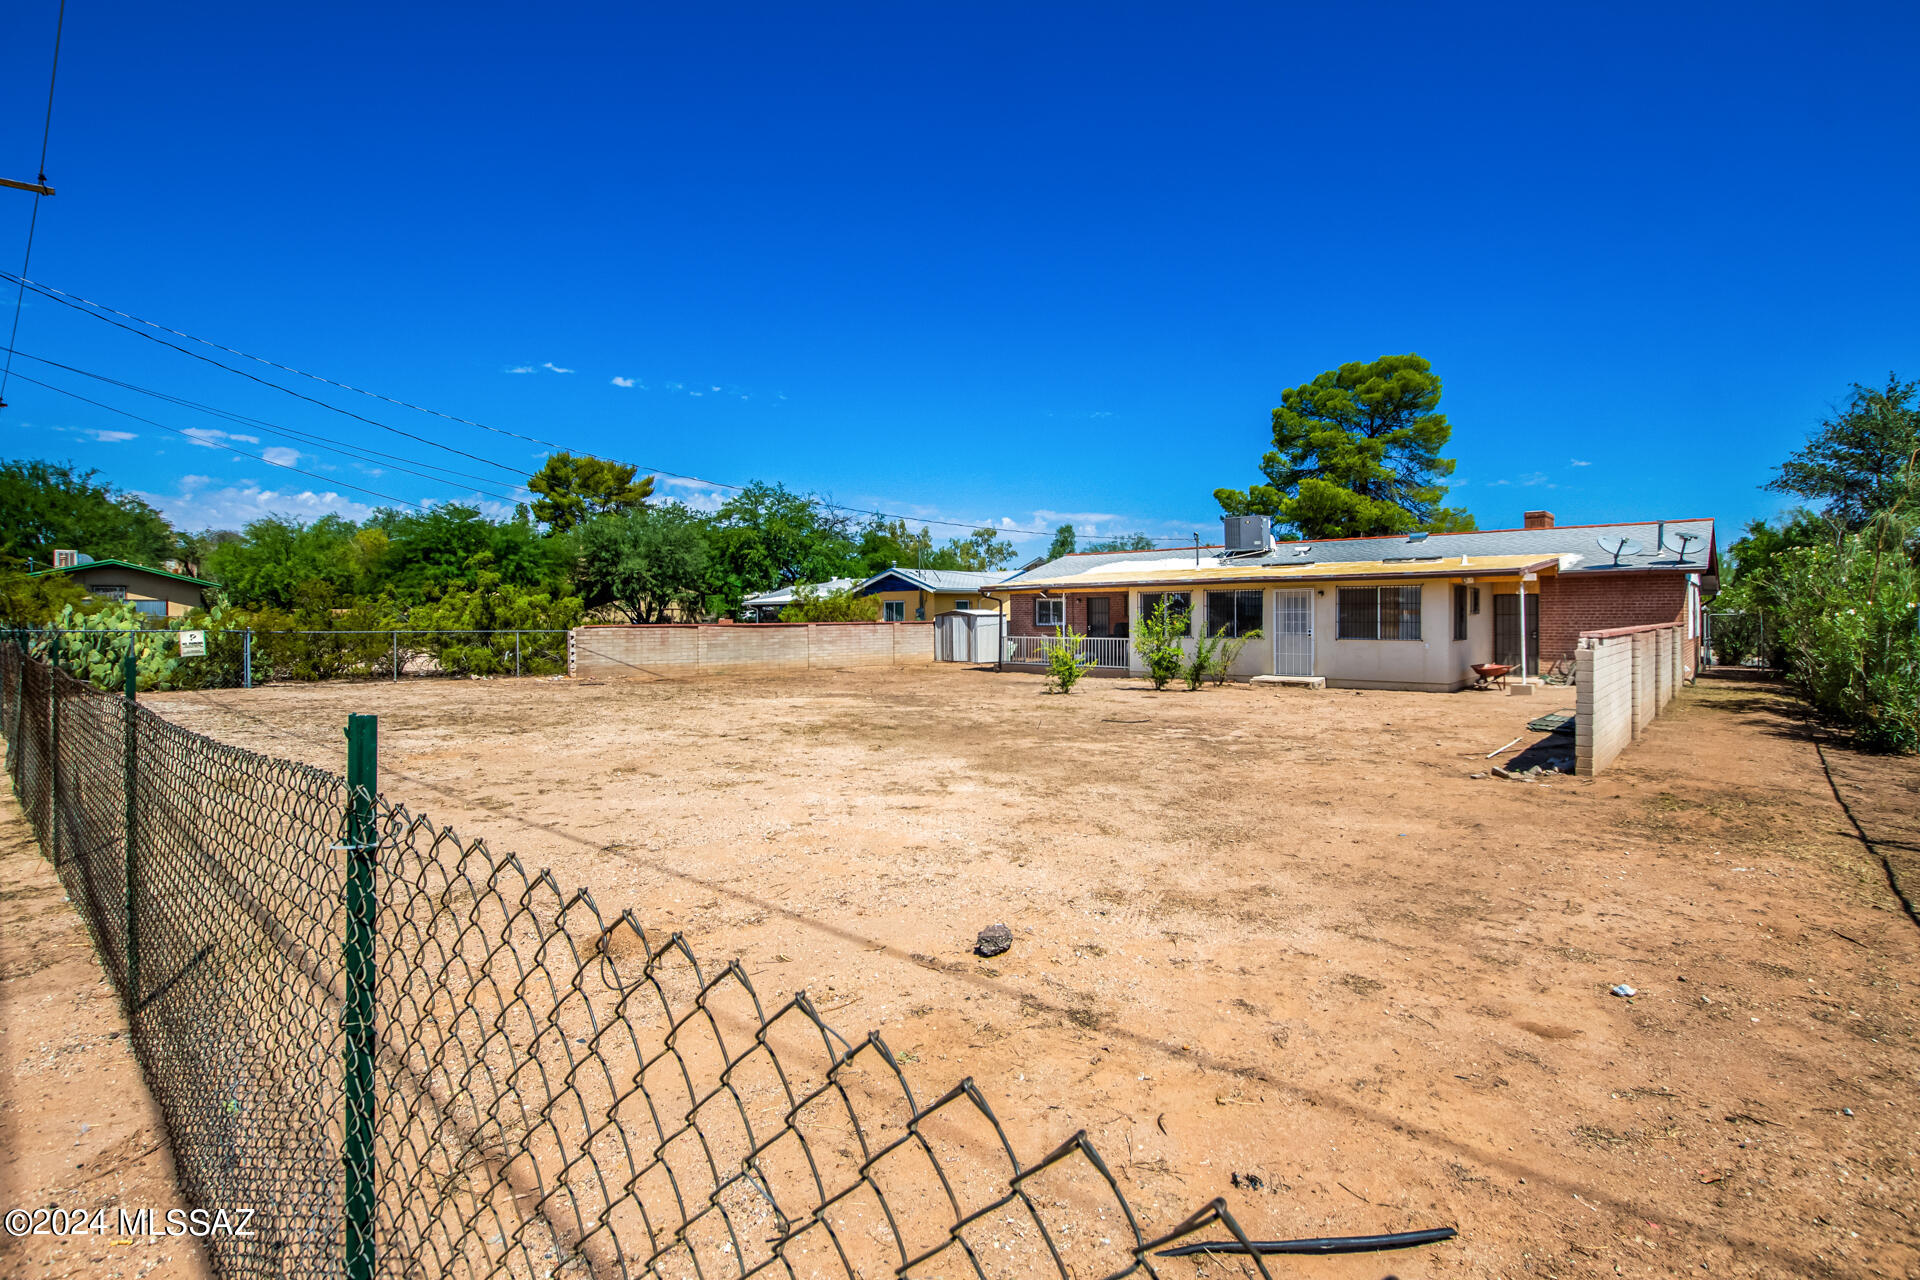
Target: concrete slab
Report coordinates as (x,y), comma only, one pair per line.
(1295,682)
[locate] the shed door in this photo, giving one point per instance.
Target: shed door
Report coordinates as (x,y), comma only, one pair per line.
(1506,631)
(1293,633)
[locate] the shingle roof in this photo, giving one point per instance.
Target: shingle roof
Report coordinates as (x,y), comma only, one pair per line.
(1577,548)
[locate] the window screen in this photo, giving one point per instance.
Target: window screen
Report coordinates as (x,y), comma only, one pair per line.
(1049,613)
(1359,613)
(1178,602)
(1399,613)
(1379,613)
(1233,613)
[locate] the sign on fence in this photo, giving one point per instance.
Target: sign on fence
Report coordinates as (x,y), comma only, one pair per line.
(193,644)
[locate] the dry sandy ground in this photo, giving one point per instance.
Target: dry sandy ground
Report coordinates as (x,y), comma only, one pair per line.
(1279,933)
(77,1127)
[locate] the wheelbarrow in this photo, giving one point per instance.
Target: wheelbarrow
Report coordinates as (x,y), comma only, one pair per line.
(1490,674)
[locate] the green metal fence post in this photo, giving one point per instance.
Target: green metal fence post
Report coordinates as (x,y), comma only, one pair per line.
(358,959)
(53,734)
(132,733)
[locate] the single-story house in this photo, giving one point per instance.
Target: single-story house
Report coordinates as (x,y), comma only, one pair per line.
(766,606)
(155,591)
(916,595)
(1409,611)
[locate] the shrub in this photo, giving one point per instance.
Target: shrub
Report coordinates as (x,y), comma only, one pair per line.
(1226,652)
(835,606)
(1067,661)
(1157,640)
(1197,667)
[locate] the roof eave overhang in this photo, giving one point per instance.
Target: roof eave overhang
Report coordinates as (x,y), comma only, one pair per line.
(1552,563)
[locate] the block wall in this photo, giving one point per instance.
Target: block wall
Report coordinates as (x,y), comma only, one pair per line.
(672,651)
(1624,678)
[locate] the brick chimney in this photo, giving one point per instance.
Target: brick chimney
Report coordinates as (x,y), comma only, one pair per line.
(1537,520)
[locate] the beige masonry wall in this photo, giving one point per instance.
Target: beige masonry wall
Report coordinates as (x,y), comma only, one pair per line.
(1623,679)
(672,650)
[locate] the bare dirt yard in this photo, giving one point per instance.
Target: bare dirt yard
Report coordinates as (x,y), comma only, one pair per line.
(1277,933)
(78,1130)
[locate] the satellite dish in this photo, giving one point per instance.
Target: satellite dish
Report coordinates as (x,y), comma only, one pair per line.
(1617,545)
(1686,540)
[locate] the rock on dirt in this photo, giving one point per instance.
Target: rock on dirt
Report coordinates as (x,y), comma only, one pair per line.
(993,940)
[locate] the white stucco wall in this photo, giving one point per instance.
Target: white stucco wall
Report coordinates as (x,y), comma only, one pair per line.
(1435,661)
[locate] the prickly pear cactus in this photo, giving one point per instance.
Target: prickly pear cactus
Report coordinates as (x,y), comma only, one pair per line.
(93,646)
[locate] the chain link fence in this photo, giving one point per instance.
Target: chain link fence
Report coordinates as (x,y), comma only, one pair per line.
(554,1092)
(242,659)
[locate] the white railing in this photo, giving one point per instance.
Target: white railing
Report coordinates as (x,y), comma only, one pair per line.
(1103,651)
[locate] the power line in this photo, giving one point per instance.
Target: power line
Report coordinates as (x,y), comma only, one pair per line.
(327,480)
(33,220)
(87,306)
(357,453)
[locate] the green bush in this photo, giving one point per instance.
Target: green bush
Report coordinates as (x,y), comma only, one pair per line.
(93,647)
(836,606)
(1200,664)
(1157,640)
(1847,622)
(1226,652)
(1067,661)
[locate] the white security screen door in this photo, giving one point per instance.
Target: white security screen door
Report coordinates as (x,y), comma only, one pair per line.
(1293,633)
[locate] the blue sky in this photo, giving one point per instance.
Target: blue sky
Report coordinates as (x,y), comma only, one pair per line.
(1015,264)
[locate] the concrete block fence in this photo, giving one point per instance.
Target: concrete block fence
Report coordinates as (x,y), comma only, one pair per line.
(1624,677)
(674,650)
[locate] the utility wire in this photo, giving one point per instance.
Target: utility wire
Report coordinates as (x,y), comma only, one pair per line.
(326,480)
(356,452)
(33,220)
(102,312)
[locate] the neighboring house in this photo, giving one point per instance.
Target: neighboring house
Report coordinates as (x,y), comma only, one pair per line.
(766,606)
(917,595)
(154,591)
(1412,611)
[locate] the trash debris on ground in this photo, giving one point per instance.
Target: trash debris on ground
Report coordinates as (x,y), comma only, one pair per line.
(1533,773)
(1552,722)
(993,940)
(1251,1181)
(1622,990)
(1497,750)
(1321,1245)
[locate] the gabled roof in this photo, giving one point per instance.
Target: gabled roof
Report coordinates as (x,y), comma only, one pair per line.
(938,579)
(1576,548)
(124,564)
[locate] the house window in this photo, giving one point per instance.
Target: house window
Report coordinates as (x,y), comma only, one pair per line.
(1049,613)
(108,592)
(1379,613)
(1178,602)
(1474,605)
(1233,613)
(963,604)
(1460,612)
(893,611)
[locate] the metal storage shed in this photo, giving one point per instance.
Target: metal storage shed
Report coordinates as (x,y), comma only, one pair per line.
(967,635)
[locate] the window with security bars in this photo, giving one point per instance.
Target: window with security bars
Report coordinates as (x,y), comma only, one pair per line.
(1233,613)
(1379,613)
(1179,604)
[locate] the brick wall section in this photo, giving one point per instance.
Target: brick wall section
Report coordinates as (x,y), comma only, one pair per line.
(1603,707)
(1623,678)
(1020,614)
(1572,604)
(673,651)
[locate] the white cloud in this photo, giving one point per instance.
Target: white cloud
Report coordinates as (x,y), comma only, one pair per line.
(556,368)
(627,382)
(521,368)
(280,456)
(108,437)
(1577,462)
(697,494)
(208,437)
(231,506)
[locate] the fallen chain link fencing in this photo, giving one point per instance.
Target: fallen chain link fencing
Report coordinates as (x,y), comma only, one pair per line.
(554,1092)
